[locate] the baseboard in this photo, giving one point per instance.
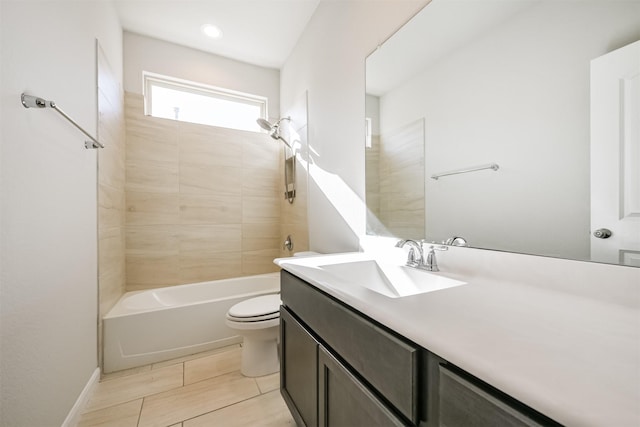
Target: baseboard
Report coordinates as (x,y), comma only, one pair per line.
(74,414)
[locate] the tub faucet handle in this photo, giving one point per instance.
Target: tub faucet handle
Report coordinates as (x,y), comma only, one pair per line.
(288,243)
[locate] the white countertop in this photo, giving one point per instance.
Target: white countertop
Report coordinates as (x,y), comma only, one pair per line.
(571,357)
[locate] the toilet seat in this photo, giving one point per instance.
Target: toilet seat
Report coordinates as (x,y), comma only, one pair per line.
(262,308)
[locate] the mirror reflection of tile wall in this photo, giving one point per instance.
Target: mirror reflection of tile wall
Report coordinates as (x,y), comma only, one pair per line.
(395,167)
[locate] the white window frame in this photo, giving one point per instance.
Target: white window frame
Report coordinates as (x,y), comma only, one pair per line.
(152,79)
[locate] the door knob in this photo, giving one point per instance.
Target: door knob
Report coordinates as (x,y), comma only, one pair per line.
(602,233)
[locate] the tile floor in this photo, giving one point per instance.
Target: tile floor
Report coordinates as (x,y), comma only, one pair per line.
(205,389)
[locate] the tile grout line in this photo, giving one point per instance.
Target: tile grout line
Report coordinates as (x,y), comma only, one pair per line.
(224,407)
(140,412)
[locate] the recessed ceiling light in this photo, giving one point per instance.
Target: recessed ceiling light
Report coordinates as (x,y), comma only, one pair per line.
(211,31)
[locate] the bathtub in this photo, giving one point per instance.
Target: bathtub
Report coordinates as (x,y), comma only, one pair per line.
(154,325)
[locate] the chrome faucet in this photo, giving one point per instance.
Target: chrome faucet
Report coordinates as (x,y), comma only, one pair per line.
(415,258)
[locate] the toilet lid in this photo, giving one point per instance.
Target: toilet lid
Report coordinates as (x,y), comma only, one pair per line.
(264,306)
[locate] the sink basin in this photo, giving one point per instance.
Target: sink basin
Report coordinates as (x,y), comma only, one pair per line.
(392,281)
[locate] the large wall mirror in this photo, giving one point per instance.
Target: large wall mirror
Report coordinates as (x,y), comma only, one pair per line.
(512,124)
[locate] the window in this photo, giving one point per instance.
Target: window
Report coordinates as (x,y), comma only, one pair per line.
(196,103)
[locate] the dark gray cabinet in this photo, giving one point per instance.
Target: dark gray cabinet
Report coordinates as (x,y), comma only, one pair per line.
(341,368)
(463,403)
(298,370)
(344,401)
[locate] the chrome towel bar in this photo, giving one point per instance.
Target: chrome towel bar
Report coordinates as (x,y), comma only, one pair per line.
(29,101)
(493,166)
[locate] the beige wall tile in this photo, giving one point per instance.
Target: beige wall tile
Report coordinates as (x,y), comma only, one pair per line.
(120,390)
(151,139)
(261,151)
(111,246)
(111,288)
(262,182)
(267,410)
(111,205)
(122,415)
(151,176)
(210,208)
(198,266)
(261,236)
(210,146)
(205,179)
(260,210)
(111,192)
(152,208)
(153,239)
(210,238)
(149,271)
(111,164)
(196,399)
(212,366)
(259,262)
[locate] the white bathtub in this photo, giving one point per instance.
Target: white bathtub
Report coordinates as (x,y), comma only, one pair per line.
(150,326)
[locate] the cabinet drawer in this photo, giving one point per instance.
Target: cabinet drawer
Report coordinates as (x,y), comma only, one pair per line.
(463,403)
(345,401)
(387,363)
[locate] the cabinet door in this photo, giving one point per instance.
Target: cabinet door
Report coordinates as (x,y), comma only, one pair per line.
(463,403)
(298,370)
(343,401)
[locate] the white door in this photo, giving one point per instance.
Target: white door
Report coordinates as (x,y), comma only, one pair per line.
(615,156)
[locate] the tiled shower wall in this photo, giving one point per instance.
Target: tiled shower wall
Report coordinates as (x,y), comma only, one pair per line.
(202,203)
(111,193)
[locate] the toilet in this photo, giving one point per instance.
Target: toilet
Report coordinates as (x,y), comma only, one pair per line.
(257,320)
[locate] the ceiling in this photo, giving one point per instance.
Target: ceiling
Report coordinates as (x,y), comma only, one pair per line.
(260,32)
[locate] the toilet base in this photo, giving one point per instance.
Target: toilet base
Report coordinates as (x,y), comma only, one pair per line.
(260,354)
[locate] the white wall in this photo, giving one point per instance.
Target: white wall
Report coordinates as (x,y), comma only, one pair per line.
(328,61)
(48,282)
(524,104)
(143,53)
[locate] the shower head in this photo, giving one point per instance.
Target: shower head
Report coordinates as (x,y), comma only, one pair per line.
(264,124)
(273,129)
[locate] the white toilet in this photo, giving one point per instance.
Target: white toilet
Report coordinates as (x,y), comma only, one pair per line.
(257,320)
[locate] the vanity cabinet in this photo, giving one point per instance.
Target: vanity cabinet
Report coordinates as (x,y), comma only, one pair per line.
(463,403)
(298,370)
(341,368)
(343,400)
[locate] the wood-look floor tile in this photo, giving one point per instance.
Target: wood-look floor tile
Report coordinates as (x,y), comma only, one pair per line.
(125,373)
(212,366)
(268,382)
(267,410)
(120,390)
(122,415)
(196,399)
(195,356)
